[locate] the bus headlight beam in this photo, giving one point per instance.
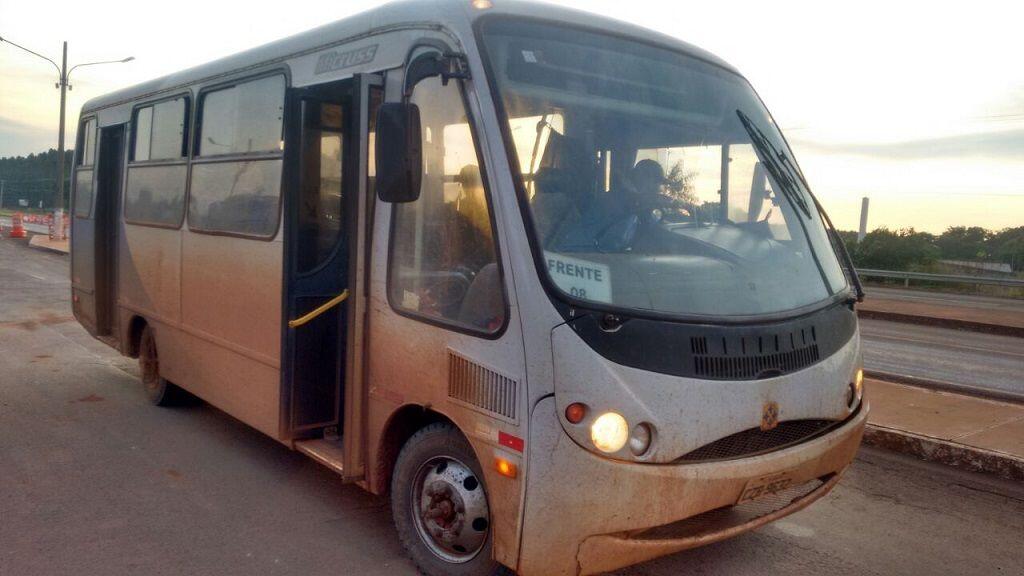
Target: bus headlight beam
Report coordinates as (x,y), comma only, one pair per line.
(609,432)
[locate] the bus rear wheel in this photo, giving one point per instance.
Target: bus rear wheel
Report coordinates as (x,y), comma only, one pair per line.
(159,391)
(439,504)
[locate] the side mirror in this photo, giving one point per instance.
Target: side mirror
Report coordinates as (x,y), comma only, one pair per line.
(399,153)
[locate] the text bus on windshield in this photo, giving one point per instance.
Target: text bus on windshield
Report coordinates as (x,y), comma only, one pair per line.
(553,282)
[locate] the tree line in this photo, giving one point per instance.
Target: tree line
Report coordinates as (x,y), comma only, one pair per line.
(33,178)
(906,249)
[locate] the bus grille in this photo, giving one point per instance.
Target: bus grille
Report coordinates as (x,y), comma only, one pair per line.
(756,441)
(481,387)
(749,358)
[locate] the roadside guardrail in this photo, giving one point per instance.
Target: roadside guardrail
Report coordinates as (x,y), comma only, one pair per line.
(947,278)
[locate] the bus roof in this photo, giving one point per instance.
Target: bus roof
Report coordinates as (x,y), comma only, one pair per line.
(454,15)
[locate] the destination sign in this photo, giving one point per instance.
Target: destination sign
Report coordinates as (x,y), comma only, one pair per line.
(581,278)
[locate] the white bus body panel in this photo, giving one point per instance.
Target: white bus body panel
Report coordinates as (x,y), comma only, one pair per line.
(688,413)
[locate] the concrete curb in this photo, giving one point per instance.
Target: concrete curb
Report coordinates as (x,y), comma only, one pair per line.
(956,324)
(928,384)
(944,452)
(43,242)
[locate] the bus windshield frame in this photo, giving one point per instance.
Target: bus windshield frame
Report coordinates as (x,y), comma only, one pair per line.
(808,253)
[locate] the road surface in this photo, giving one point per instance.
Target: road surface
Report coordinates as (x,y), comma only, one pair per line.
(971,359)
(946,299)
(94,480)
(985,313)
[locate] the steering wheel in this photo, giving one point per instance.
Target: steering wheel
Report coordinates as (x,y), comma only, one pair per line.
(653,208)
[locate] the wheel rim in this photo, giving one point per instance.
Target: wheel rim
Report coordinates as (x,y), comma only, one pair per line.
(150,364)
(449,508)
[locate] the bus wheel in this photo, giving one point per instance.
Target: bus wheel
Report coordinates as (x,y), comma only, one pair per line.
(158,389)
(439,504)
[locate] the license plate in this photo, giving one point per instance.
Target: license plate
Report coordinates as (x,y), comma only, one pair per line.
(765,486)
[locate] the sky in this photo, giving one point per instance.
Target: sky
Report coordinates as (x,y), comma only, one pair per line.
(917,105)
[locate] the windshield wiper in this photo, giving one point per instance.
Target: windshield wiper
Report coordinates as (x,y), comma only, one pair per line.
(787,175)
(777,164)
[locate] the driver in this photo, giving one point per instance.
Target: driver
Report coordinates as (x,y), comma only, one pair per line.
(650,187)
(648,178)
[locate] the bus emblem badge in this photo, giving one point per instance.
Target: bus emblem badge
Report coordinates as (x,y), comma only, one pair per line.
(333,61)
(769,416)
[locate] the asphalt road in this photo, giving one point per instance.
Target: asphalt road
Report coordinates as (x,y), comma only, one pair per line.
(970,359)
(946,298)
(94,480)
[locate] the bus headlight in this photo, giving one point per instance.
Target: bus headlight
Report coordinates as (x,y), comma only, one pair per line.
(609,432)
(856,389)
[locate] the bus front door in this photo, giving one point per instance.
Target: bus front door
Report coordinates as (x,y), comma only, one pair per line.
(325,231)
(316,256)
(107,222)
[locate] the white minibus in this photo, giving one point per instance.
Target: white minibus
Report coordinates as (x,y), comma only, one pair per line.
(554,283)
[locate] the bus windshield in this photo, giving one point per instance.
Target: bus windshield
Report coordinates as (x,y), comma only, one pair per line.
(656,181)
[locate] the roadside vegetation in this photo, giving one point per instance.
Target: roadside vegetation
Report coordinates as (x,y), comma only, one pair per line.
(32,179)
(909,250)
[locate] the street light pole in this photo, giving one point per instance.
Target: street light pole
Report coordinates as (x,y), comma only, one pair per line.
(58,210)
(64,86)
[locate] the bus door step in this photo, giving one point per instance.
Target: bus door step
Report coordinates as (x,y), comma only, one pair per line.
(326,452)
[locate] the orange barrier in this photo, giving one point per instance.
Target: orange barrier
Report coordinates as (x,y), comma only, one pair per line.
(17,227)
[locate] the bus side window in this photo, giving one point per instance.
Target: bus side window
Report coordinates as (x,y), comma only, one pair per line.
(443,265)
(83,176)
(236,175)
(155,194)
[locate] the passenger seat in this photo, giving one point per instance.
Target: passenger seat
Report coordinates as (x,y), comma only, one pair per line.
(482,307)
(551,205)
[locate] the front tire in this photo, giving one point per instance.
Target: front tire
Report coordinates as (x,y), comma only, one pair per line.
(439,505)
(159,391)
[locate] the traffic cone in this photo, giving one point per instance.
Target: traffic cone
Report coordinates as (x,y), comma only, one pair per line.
(17,227)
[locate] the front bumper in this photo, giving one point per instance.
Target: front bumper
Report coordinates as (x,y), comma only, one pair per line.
(586,514)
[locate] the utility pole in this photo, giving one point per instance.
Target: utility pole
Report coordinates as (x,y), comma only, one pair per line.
(2,182)
(64,86)
(58,209)
(863,220)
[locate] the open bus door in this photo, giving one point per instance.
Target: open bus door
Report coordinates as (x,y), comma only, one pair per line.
(95,227)
(326,223)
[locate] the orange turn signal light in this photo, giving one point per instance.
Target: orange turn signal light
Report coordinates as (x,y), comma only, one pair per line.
(505,467)
(575,412)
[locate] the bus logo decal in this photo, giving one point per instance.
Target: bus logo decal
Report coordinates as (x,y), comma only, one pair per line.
(334,60)
(769,416)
